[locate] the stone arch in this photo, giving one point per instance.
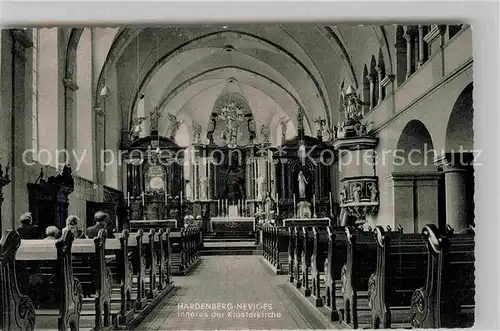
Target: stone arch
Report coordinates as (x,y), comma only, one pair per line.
(415,149)
(459,131)
(417,189)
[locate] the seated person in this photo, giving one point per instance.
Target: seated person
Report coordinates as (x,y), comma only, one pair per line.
(101,222)
(72,223)
(27,229)
(52,233)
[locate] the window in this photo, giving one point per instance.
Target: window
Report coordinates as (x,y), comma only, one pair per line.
(34,100)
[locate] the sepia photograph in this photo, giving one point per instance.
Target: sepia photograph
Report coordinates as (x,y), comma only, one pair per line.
(238,176)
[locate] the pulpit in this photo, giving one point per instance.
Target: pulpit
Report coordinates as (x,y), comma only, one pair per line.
(4,180)
(48,199)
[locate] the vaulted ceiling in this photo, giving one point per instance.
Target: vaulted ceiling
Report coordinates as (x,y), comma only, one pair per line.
(277,68)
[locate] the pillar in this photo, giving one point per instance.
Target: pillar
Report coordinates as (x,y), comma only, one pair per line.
(421,49)
(409,52)
(21,114)
(456,168)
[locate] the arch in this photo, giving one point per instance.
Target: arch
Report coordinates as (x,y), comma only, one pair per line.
(381,34)
(415,149)
(74,39)
(146,76)
(345,54)
(459,131)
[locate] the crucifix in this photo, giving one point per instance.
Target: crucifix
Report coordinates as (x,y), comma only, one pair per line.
(154,117)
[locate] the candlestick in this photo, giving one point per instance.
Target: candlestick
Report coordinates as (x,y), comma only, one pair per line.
(330,197)
(128,199)
(181,198)
(143,202)
(277,204)
(165,197)
(294,206)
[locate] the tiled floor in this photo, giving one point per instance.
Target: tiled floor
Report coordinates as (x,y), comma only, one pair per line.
(227,292)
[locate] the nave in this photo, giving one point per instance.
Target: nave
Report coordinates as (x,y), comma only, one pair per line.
(232,279)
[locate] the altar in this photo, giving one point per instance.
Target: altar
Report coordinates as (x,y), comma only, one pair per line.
(232,225)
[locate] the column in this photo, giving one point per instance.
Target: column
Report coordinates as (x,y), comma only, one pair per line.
(21,114)
(421,50)
(456,169)
(401,58)
(409,52)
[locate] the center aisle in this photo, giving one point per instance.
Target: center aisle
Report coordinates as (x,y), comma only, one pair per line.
(229,292)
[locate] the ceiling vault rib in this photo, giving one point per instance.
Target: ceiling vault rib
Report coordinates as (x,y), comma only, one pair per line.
(181,86)
(173,51)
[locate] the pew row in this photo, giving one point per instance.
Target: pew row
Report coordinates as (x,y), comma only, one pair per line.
(447,298)
(186,244)
(275,248)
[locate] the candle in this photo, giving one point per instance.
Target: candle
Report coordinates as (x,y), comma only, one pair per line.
(314,204)
(181,198)
(165,197)
(143,202)
(128,199)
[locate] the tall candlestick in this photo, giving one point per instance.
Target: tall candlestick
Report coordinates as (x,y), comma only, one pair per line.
(277,204)
(181,198)
(314,204)
(294,206)
(143,202)
(330,198)
(128,199)
(165,197)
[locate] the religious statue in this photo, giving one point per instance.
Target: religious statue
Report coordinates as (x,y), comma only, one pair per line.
(320,122)
(284,124)
(189,191)
(154,117)
(196,132)
(136,127)
(203,187)
(302,184)
(261,188)
(265,132)
(251,129)
(174,125)
(356,193)
(372,187)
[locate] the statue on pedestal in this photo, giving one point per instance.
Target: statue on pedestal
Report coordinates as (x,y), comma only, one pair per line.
(189,191)
(302,184)
(196,132)
(203,188)
(261,188)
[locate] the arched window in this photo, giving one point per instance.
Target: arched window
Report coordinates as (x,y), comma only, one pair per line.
(34,100)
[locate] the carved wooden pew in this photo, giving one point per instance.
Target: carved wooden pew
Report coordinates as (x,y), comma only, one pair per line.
(447,298)
(123,269)
(185,249)
(35,256)
(319,255)
(401,268)
(138,259)
(297,256)
(90,267)
(266,243)
(18,312)
(307,252)
(280,247)
(335,261)
(360,264)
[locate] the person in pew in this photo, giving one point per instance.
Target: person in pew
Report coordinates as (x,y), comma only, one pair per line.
(52,233)
(27,230)
(101,222)
(72,223)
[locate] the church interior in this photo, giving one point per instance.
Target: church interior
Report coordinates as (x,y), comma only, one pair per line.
(155,177)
